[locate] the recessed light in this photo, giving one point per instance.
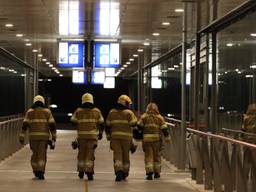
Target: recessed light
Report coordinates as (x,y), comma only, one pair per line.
(253,34)
(48,63)
(131,59)
(135,55)
(125,65)
(44,59)
(128,62)
(61,75)
(171,69)
(155,34)
(9,25)
(176,66)
(165,23)
(140,50)
(179,10)
(28,44)
(229,44)
(146,43)
(40,55)
(51,65)
(34,50)
(19,35)
(26,40)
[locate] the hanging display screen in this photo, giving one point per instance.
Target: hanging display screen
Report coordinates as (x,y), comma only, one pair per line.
(106,55)
(71,54)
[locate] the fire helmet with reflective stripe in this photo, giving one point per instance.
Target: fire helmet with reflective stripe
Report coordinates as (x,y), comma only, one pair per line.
(39,98)
(124,100)
(87,98)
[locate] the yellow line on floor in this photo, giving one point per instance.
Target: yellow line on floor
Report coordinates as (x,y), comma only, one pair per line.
(85,186)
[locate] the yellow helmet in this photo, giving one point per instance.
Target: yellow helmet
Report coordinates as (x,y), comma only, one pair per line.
(39,98)
(124,100)
(87,98)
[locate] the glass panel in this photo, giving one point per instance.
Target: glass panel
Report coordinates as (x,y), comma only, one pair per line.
(236,71)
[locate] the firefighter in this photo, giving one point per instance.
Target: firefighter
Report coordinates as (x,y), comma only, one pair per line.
(40,124)
(119,123)
(249,126)
(90,124)
(151,123)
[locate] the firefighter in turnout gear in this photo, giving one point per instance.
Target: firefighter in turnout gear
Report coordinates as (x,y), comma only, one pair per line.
(119,123)
(90,125)
(152,124)
(249,126)
(41,127)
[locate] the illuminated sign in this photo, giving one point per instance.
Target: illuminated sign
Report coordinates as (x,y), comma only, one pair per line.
(71,54)
(106,55)
(78,77)
(109,83)
(98,77)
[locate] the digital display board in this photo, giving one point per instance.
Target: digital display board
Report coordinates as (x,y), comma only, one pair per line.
(78,77)
(98,77)
(106,55)
(109,83)
(71,54)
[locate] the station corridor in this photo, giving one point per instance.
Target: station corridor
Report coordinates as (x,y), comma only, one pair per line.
(61,175)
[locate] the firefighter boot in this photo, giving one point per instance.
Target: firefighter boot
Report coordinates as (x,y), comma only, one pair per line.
(89,176)
(81,174)
(156,175)
(40,175)
(119,176)
(149,176)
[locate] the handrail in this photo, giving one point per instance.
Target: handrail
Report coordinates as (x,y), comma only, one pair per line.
(11,120)
(239,132)
(222,138)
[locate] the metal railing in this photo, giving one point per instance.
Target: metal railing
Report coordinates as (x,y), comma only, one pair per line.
(9,136)
(220,162)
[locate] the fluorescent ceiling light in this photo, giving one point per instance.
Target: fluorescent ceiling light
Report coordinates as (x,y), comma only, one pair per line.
(140,50)
(28,44)
(40,55)
(146,43)
(44,59)
(34,50)
(128,62)
(155,34)
(248,76)
(131,59)
(19,35)
(61,75)
(9,25)
(135,55)
(253,66)
(165,23)
(171,69)
(253,34)
(51,65)
(48,63)
(125,65)
(26,40)
(179,10)
(229,44)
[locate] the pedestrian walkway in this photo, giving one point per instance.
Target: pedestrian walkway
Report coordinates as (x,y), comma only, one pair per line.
(61,175)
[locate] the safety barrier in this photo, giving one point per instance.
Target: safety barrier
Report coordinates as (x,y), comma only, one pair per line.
(220,162)
(9,136)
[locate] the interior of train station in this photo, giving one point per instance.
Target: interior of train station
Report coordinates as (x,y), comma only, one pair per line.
(194,59)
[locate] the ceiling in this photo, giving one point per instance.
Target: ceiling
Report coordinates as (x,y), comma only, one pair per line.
(133,23)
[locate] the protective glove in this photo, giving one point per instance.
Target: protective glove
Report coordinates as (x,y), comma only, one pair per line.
(99,136)
(133,148)
(74,145)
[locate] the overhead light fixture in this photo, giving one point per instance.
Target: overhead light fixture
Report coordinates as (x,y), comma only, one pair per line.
(128,62)
(122,68)
(40,55)
(131,59)
(61,75)
(26,40)
(34,50)
(125,65)
(51,65)
(44,59)
(9,25)
(140,50)
(176,66)
(253,34)
(19,35)
(165,23)
(54,68)
(248,76)
(146,43)
(28,44)
(179,10)
(155,34)
(171,69)
(253,66)
(48,63)
(135,55)
(229,44)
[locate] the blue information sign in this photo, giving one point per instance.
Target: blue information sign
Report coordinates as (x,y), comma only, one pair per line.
(106,55)
(71,54)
